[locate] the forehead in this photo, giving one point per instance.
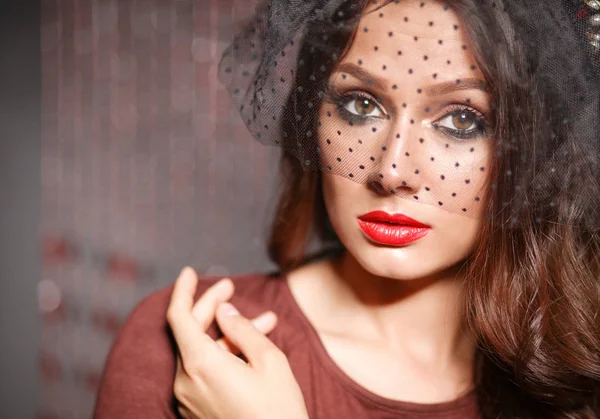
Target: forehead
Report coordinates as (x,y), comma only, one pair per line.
(422,37)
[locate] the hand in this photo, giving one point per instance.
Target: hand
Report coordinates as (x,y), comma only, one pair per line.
(212,383)
(205,308)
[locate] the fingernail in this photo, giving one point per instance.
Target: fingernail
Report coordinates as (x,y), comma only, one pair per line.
(187,271)
(222,283)
(228,310)
(223,286)
(266,318)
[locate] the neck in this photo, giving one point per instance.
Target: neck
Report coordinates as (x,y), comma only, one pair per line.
(420,319)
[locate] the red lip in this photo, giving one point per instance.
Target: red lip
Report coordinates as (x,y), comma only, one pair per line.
(392,229)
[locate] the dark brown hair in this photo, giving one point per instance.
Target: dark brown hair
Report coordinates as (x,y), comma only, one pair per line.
(532,293)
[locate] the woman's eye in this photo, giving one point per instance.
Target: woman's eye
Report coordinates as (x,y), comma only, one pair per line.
(463,123)
(363,106)
(460,120)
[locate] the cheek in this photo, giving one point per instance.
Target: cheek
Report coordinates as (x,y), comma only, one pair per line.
(331,140)
(343,198)
(454,237)
(484,182)
(333,192)
(457,236)
(436,171)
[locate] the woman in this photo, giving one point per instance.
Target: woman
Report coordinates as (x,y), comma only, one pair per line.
(474,295)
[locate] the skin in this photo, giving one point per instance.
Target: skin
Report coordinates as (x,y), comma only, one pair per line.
(406,339)
(210,381)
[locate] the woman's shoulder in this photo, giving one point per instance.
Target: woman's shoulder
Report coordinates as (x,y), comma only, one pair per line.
(140,367)
(146,325)
(254,293)
(145,337)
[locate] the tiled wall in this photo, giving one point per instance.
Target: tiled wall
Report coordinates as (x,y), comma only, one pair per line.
(146,167)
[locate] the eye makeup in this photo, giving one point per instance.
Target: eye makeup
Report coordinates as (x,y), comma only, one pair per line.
(459,121)
(351,104)
(478,125)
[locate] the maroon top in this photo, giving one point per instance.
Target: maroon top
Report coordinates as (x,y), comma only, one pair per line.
(139,372)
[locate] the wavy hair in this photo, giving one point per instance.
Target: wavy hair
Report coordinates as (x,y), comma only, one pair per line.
(532,288)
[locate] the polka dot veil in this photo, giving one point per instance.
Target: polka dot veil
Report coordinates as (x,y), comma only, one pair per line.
(462,105)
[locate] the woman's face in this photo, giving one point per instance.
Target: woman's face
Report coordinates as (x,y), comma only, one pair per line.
(404,130)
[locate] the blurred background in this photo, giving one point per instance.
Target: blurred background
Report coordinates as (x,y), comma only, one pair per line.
(145,168)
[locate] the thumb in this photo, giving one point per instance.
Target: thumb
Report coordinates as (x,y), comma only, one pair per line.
(240,331)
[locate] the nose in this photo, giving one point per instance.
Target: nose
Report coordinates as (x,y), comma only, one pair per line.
(396,171)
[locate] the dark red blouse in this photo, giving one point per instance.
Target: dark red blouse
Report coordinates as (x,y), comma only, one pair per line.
(138,375)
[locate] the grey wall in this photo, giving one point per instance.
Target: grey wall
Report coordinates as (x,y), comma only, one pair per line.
(125,163)
(19,207)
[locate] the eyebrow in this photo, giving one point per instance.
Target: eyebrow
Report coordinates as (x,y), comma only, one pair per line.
(362,74)
(434,90)
(452,86)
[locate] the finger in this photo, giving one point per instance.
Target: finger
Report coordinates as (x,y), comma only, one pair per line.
(180,389)
(184,288)
(264,323)
(179,317)
(256,347)
(206,306)
(190,340)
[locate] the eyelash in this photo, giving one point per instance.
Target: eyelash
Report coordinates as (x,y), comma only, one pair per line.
(481,125)
(342,100)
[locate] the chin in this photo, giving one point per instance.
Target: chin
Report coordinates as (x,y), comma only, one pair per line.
(419,260)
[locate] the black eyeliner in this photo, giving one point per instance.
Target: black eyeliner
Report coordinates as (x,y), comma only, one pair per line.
(341,101)
(481,127)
